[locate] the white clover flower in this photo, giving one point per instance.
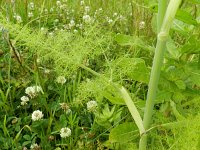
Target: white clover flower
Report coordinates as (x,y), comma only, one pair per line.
(91,105)
(46,11)
(87,9)
(110,21)
(61,80)
(24,100)
(115,14)
(47,71)
(72,23)
(51,9)
(142,25)
(18,19)
(87,19)
(31,6)
(30,91)
(51,34)
(38,89)
(65,132)
(82,3)
(58,148)
(34,146)
(33,91)
(37,115)
(58,3)
(30,14)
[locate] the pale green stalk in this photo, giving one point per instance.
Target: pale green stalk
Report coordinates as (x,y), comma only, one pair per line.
(162,6)
(156,68)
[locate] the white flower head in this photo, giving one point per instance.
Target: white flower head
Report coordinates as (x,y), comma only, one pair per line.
(19,19)
(82,3)
(58,3)
(87,9)
(37,115)
(87,18)
(33,91)
(72,23)
(142,25)
(65,132)
(34,146)
(24,100)
(30,14)
(31,6)
(91,105)
(61,80)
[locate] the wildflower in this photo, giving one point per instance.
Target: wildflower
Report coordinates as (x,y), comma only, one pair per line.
(64,106)
(91,105)
(115,14)
(33,91)
(31,6)
(82,3)
(86,18)
(42,29)
(47,71)
(24,100)
(75,31)
(110,21)
(58,148)
(61,80)
(58,3)
(65,132)
(46,11)
(141,25)
(72,23)
(19,19)
(35,146)
(87,9)
(51,9)
(37,115)
(30,14)
(51,34)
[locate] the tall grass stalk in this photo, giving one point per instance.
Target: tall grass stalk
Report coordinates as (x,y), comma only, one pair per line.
(157,64)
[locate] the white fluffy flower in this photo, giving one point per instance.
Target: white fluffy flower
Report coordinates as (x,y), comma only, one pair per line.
(33,91)
(82,3)
(24,100)
(58,3)
(19,19)
(65,132)
(31,6)
(37,115)
(30,14)
(61,80)
(35,146)
(91,105)
(142,25)
(87,19)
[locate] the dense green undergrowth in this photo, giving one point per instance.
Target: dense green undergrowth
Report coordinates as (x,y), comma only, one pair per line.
(65,58)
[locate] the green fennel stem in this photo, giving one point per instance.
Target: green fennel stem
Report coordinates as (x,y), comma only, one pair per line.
(156,68)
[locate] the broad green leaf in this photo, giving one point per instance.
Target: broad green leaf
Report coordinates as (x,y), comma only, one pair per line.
(180,84)
(27,137)
(172,50)
(133,68)
(194,1)
(127,40)
(113,99)
(191,48)
(123,133)
(193,71)
(133,110)
(186,17)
